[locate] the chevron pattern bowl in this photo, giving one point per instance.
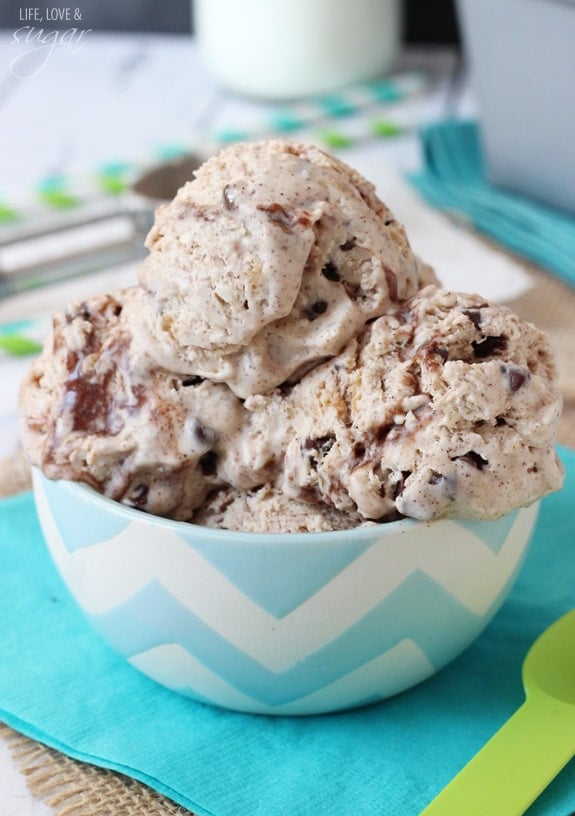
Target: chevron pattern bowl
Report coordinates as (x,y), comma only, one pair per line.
(280,624)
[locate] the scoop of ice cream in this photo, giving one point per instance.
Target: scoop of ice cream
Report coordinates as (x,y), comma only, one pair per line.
(269,261)
(281,368)
(446,407)
(94,411)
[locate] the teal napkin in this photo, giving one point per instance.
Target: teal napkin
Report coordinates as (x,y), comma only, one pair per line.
(453,179)
(60,685)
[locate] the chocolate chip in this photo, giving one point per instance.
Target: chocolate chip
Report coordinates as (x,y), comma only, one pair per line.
(391,279)
(90,402)
(489,345)
(317,308)
(330,272)
(472,458)
(117,310)
(474,315)
(347,245)
(322,444)
(499,421)
(316,447)
(208,463)
(516,376)
(389,222)
(398,487)
(192,381)
(359,450)
(285,388)
(382,432)
(205,436)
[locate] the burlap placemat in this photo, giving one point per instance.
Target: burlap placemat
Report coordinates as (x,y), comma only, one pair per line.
(73,788)
(550,305)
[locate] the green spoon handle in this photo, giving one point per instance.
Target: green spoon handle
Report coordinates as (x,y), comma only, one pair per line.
(515,766)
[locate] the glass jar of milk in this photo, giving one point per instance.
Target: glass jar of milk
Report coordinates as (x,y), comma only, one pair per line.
(285,49)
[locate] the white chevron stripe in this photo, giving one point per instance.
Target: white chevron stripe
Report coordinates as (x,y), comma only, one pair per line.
(173,666)
(399,668)
(480,564)
(460,562)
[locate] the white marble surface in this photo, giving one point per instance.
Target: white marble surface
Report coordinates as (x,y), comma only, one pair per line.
(114,97)
(15,799)
(126,98)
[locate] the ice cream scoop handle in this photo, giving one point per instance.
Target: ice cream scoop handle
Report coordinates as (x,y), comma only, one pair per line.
(515,766)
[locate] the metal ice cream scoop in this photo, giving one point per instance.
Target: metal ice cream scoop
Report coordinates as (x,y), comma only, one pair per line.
(100,235)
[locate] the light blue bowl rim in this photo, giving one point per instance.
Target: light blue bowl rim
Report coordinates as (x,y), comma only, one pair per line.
(84,493)
(361,534)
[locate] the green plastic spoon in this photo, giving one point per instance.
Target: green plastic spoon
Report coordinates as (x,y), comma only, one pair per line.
(522,758)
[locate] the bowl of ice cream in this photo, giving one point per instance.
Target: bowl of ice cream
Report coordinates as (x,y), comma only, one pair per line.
(290,624)
(286,471)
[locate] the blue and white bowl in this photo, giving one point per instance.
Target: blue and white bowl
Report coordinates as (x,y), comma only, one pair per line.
(301,623)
